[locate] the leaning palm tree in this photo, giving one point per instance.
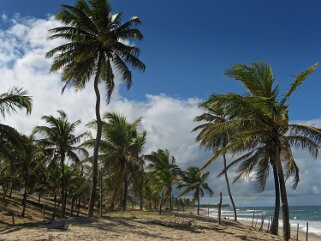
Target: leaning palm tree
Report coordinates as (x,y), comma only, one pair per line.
(59,141)
(14,99)
(261,128)
(213,116)
(97,44)
(195,180)
(165,173)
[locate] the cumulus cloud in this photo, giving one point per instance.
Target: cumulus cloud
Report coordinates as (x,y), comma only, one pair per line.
(167,120)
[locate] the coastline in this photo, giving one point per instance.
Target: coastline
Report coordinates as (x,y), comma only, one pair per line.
(311,236)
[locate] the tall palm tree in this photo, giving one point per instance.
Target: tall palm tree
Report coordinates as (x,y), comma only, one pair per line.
(97,44)
(262,129)
(165,172)
(214,116)
(195,180)
(59,140)
(120,150)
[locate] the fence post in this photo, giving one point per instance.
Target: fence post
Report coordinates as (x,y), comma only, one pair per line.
(253,217)
(297,231)
(208,210)
(268,227)
(307,232)
(13,219)
(262,222)
(257,217)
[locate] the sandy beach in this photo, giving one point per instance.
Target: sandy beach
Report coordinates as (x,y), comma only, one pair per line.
(138,226)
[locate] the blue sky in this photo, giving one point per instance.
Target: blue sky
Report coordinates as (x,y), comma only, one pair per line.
(187,47)
(189,44)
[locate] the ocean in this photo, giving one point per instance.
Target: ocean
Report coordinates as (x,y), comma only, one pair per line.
(298,215)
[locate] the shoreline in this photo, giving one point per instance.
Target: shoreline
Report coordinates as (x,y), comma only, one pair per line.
(248,223)
(311,236)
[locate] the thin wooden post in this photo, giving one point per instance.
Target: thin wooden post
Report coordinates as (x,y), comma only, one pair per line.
(262,222)
(253,217)
(13,222)
(257,217)
(219,209)
(307,232)
(208,210)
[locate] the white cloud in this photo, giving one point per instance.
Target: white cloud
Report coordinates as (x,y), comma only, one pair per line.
(4,17)
(167,120)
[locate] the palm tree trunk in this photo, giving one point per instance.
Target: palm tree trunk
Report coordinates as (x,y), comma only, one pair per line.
(275,222)
(55,205)
(62,167)
(125,195)
(170,199)
(96,149)
(72,206)
(5,190)
(161,202)
(39,197)
(11,188)
(284,198)
(101,194)
(141,201)
(24,202)
(78,207)
(229,189)
(198,203)
(55,200)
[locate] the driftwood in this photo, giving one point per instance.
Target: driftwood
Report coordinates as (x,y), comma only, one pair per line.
(62,225)
(182,226)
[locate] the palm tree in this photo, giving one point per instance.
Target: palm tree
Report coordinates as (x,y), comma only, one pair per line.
(195,180)
(14,99)
(59,141)
(97,44)
(120,151)
(165,172)
(28,159)
(214,116)
(261,128)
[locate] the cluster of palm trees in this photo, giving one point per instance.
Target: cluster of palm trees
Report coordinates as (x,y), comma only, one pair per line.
(255,127)
(55,162)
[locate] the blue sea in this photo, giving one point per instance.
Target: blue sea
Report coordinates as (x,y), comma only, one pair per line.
(298,215)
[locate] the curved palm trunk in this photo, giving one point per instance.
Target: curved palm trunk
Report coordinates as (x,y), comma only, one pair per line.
(125,195)
(141,199)
(229,189)
(198,203)
(101,193)
(24,202)
(275,222)
(62,167)
(11,188)
(161,202)
(96,149)
(285,207)
(170,199)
